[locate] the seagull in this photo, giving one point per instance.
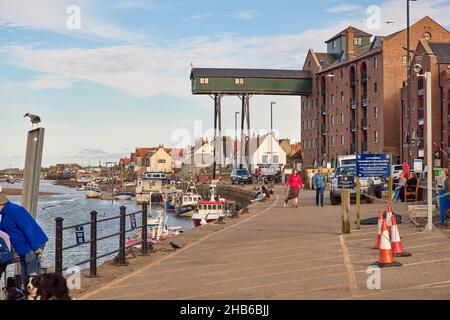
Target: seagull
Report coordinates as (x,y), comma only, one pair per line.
(203,223)
(35,120)
(175,246)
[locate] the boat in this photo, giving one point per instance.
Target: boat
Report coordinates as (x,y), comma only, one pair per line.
(93,193)
(186,203)
(123,196)
(212,210)
(81,188)
(150,183)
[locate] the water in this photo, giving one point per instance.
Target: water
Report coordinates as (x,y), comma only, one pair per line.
(75,208)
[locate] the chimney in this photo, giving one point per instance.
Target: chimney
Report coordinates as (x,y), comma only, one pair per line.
(350,43)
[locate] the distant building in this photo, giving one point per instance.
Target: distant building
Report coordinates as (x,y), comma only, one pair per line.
(265,150)
(355,105)
(158,160)
(434,57)
(201,156)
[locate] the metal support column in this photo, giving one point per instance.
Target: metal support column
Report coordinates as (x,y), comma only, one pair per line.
(243,113)
(248,132)
(215,136)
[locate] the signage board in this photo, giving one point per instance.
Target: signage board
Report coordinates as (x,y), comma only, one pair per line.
(346,182)
(418,165)
(373,165)
(79,234)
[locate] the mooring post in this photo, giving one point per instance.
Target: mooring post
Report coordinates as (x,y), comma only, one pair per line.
(345,199)
(144,249)
(122,258)
(93,244)
(59,245)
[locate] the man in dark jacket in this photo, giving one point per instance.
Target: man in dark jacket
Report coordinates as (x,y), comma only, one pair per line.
(27,237)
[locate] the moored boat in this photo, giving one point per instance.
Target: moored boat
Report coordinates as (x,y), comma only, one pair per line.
(93,193)
(123,196)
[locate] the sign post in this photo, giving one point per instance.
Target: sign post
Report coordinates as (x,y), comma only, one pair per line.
(345,184)
(375,166)
(358,203)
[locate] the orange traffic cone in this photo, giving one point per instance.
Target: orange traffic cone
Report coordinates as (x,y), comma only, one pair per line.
(396,241)
(386,258)
(389,219)
(380,221)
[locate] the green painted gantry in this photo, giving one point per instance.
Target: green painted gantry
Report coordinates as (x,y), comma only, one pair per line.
(245,83)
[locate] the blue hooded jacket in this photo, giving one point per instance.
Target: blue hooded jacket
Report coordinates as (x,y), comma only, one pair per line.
(24,232)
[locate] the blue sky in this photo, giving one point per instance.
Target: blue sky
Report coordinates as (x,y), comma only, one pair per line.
(122,79)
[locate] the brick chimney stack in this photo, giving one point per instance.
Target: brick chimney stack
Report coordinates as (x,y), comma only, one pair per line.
(350,43)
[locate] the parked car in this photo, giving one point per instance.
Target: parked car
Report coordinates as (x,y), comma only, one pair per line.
(241,176)
(368,185)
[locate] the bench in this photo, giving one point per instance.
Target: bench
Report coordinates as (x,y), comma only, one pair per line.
(411,196)
(420,211)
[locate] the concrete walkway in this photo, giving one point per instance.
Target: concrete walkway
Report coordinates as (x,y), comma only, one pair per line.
(286,253)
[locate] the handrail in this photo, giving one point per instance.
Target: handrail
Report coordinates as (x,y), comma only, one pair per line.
(59,249)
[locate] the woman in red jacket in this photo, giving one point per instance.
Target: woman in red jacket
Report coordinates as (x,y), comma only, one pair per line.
(295,185)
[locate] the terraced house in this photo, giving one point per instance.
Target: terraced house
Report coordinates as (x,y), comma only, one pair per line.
(356,100)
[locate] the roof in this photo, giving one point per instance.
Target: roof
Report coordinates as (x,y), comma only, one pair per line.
(356,32)
(326,59)
(250,73)
(442,52)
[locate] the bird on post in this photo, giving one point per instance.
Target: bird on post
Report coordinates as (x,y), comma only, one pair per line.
(35,119)
(175,246)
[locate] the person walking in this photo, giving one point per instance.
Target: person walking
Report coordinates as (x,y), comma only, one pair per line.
(27,237)
(295,184)
(319,183)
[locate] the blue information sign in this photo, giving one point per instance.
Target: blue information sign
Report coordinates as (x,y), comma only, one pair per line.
(133,221)
(79,232)
(373,165)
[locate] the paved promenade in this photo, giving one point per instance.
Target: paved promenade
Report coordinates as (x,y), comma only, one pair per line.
(285,253)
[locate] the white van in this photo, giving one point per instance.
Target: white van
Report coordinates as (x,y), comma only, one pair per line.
(345,160)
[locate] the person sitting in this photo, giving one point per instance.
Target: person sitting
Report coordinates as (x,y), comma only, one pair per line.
(398,192)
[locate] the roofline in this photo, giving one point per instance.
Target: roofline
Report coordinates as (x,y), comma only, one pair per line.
(350,62)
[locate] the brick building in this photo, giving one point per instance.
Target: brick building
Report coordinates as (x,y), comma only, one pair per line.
(356,96)
(435,58)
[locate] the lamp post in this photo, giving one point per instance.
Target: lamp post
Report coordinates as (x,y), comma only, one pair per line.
(235,139)
(271,131)
(409,76)
(427,76)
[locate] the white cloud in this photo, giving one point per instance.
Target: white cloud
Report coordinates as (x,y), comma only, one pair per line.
(344,7)
(52,15)
(134,4)
(49,81)
(246,15)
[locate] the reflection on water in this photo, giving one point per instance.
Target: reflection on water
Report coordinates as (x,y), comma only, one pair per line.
(73,206)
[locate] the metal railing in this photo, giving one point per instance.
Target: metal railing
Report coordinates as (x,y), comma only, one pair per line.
(59,248)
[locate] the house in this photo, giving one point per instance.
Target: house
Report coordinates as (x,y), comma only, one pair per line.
(158,160)
(201,156)
(265,151)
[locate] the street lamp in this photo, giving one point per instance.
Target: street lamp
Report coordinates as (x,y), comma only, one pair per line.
(427,76)
(409,75)
(235,139)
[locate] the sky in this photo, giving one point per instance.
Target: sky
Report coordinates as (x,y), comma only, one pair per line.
(107,76)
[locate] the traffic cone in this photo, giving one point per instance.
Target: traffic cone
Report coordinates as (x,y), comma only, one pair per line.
(389,218)
(380,221)
(396,241)
(386,258)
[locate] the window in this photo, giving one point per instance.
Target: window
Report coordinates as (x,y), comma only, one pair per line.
(332,141)
(342,74)
(204,80)
(239,81)
(375,63)
(427,36)
(342,96)
(375,112)
(265,159)
(334,44)
(332,120)
(375,137)
(357,41)
(375,87)
(342,140)
(332,98)
(342,118)
(275,159)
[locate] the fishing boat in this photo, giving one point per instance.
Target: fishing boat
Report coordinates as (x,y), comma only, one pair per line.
(123,196)
(214,209)
(150,183)
(93,193)
(186,203)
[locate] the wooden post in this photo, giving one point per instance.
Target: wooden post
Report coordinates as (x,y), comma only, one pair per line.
(390,187)
(358,203)
(345,200)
